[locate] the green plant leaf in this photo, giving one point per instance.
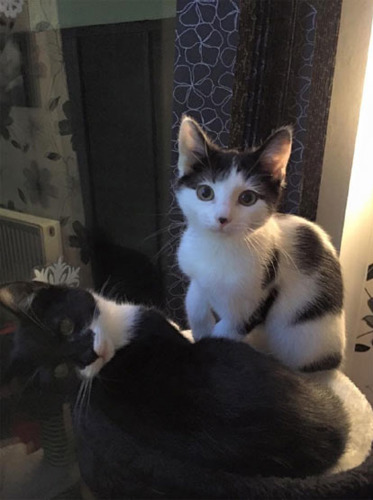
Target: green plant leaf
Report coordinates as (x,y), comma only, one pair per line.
(64,220)
(53,156)
(5,133)
(53,103)
(21,194)
(67,109)
(361,348)
(43,26)
(370,303)
(369,320)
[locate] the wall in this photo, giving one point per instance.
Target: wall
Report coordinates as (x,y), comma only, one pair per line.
(359,364)
(346,196)
(357,245)
(352,51)
(71,13)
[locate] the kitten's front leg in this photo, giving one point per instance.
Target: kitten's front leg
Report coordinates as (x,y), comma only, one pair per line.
(226,329)
(200,317)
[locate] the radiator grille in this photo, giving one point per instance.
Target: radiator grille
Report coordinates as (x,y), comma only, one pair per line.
(21,250)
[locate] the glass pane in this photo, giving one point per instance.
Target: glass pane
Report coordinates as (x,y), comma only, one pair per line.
(85,96)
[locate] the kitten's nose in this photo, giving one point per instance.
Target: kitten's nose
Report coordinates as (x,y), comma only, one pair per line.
(223,220)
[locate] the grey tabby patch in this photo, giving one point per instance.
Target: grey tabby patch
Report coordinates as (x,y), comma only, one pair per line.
(313,258)
(270,268)
(260,314)
(309,250)
(329,362)
(325,302)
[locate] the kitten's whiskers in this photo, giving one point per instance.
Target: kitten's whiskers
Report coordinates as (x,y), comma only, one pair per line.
(164,247)
(289,258)
(173,225)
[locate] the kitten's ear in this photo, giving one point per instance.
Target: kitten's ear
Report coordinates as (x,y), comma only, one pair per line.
(275,152)
(193,144)
(18,296)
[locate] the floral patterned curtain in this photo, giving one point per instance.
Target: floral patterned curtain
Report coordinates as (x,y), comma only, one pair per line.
(205,57)
(39,172)
(243,68)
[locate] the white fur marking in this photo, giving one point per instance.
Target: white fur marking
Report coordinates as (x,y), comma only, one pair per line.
(112,330)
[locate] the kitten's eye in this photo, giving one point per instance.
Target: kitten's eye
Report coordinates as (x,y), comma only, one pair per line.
(205,192)
(66,327)
(247,198)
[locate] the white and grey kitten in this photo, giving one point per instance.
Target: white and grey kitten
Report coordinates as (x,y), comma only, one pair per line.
(249,266)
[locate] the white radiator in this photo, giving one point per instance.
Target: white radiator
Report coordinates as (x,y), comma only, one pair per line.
(26,241)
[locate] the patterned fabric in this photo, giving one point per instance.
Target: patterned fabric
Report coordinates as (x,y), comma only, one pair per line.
(11,8)
(285,62)
(39,171)
(284,75)
(205,51)
(58,273)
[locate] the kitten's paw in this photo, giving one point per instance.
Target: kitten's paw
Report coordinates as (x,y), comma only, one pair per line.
(224,329)
(200,333)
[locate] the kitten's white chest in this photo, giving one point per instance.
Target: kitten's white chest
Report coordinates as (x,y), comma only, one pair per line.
(224,270)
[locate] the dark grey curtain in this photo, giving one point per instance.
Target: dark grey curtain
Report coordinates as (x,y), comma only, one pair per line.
(243,68)
(284,74)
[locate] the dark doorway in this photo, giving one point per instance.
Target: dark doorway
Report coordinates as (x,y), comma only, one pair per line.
(120,85)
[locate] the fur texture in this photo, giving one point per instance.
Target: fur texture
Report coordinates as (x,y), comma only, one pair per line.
(172,418)
(360,416)
(250,266)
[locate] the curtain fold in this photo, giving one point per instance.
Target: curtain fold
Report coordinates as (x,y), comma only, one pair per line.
(284,75)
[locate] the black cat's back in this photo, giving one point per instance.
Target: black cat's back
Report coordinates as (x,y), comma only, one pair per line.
(216,405)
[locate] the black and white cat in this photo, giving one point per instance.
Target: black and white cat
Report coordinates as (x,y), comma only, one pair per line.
(170,418)
(249,265)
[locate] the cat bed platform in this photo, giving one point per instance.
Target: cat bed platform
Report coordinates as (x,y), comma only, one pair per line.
(351,479)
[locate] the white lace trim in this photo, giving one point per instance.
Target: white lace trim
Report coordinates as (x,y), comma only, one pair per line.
(58,273)
(11,8)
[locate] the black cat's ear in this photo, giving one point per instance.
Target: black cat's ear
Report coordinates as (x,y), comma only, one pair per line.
(193,145)
(18,296)
(275,152)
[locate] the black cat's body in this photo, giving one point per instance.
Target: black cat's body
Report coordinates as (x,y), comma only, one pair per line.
(183,410)
(167,418)
(241,412)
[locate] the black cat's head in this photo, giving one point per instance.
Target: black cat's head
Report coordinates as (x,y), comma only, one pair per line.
(54,323)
